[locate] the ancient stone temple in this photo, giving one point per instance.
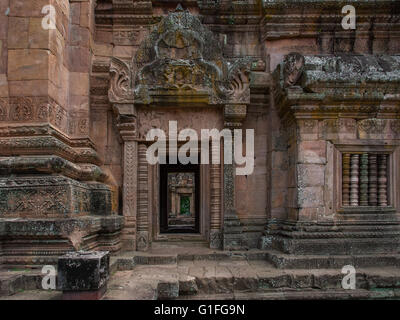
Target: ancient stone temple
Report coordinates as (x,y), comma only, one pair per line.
(83,82)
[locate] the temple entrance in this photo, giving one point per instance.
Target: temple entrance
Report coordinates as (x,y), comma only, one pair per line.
(179,198)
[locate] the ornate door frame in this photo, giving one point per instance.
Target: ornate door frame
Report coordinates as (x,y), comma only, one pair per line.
(165,71)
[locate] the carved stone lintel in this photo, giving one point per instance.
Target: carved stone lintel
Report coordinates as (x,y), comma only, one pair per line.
(181,57)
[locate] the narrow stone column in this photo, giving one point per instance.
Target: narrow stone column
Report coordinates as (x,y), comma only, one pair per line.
(364,180)
(127,130)
(129,195)
(372,180)
(215,201)
(354,179)
(346,179)
(382,180)
(143,200)
(233,237)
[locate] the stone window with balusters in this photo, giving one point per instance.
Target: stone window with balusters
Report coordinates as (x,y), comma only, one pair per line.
(365,179)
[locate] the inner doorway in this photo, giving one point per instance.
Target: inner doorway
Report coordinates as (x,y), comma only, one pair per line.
(179,198)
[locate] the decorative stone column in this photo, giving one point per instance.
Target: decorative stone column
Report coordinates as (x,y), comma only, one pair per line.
(129,191)
(143,200)
(215,205)
(120,95)
(233,239)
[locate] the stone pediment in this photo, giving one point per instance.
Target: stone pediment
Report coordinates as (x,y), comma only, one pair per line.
(180,61)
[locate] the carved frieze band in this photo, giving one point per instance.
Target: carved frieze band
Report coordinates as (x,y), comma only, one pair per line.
(33,109)
(128,36)
(379,128)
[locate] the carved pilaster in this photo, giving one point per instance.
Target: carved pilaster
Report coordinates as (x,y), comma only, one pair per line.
(120,94)
(354,179)
(364,180)
(128,131)
(346,179)
(215,204)
(143,200)
(233,230)
(129,194)
(373,180)
(382,180)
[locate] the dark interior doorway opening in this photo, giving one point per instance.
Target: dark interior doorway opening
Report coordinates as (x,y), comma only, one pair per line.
(179,198)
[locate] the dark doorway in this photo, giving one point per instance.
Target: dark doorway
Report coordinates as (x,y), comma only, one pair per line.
(179,198)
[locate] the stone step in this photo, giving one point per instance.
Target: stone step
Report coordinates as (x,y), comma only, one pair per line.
(291,281)
(12,282)
(129,261)
(309,294)
(290,261)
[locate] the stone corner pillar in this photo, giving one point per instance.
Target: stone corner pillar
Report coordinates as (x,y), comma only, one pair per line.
(127,126)
(233,238)
(121,97)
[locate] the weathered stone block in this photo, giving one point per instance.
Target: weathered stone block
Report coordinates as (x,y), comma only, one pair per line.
(27,64)
(83,274)
(18,33)
(310,196)
(308,129)
(309,175)
(3,86)
(312,152)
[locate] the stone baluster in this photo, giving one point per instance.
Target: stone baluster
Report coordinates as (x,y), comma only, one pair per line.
(364,179)
(372,180)
(382,180)
(346,179)
(354,179)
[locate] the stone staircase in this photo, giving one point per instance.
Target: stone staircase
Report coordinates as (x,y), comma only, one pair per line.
(244,275)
